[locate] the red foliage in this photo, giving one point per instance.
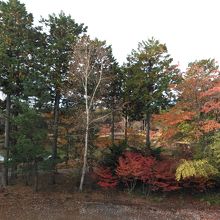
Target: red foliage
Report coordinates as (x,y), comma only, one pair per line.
(105,177)
(164,176)
(160,175)
(134,166)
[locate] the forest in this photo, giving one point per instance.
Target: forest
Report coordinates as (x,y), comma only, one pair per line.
(67,106)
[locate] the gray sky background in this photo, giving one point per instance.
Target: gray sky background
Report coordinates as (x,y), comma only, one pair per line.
(190,28)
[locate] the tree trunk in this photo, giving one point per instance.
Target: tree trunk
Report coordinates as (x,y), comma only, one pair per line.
(148,142)
(55,136)
(6,144)
(126,127)
(67,147)
(36,177)
(86,141)
(113,126)
(143,125)
(13,173)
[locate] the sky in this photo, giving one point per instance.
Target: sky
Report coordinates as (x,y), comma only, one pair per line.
(189,28)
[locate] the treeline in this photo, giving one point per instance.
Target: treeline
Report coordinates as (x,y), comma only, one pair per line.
(59,84)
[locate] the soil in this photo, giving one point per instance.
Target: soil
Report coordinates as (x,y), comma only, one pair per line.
(63,202)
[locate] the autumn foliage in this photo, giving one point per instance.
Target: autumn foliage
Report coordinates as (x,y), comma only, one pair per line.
(164,176)
(197,111)
(135,168)
(105,177)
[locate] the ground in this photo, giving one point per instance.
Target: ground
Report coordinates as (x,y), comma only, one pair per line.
(64,202)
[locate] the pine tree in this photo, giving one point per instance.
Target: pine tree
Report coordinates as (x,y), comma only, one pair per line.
(149,75)
(16,46)
(63,32)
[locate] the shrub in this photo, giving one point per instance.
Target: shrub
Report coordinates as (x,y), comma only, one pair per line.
(164,176)
(105,177)
(132,167)
(199,184)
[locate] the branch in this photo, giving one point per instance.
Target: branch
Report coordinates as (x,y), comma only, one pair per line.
(97,85)
(102,117)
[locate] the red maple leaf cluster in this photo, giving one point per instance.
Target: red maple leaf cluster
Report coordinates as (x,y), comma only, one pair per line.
(133,167)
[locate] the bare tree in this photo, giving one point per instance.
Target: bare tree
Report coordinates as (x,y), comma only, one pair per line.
(90,62)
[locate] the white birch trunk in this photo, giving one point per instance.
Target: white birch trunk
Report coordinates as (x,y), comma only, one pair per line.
(86,139)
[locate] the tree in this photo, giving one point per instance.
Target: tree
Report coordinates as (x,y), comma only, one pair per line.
(90,61)
(31,137)
(150,75)
(195,119)
(63,32)
(16,47)
(113,93)
(196,111)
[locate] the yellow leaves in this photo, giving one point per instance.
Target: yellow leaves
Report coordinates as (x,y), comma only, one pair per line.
(196,168)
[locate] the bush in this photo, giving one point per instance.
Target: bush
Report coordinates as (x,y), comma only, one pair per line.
(164,176)
(132,167)
(105,177)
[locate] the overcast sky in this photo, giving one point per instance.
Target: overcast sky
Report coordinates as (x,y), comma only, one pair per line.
(190,28)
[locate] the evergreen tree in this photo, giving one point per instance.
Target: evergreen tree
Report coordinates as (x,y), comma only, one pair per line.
(149,76)
(16,47)
(62,33)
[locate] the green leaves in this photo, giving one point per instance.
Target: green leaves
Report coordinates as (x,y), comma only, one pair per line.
(30,135)
(63,32)
(149,74)
(215,147)
(196,168)
(16,27)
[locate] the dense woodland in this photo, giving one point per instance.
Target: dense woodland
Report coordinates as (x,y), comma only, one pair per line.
(64,97)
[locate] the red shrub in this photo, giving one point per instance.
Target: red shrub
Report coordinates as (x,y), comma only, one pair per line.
(134,166)
(164,176)
(105,177)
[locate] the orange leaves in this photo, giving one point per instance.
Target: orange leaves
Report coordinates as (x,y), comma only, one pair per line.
(170,121)
(211,106)
(199,100)
(169,133)
(213,91)
(209,125)
(174,117)
(211,99)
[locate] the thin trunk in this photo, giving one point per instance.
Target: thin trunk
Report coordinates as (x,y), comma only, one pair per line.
(27,173)
(67,147)
(13,173)
(6,144)
(86,141)
(36,177)
(55,136)
(143,125)
(126,127)
(113,126)
(148,142)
